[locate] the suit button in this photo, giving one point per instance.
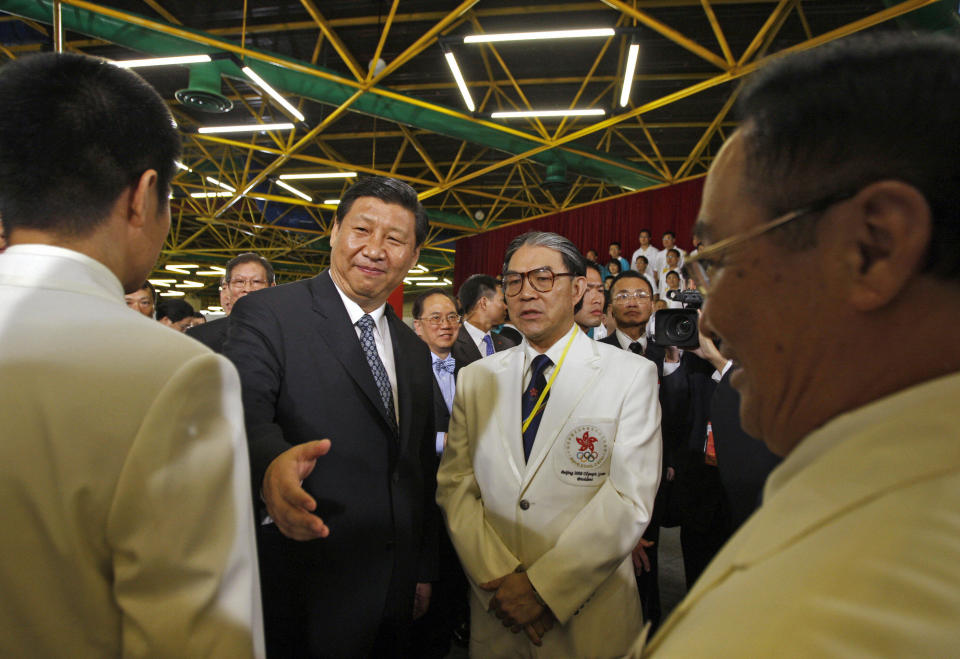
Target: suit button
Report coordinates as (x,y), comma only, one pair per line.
(524,504)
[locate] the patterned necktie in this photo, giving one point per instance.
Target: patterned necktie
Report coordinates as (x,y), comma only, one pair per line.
(636,348)
(448,365)
(369,346)
(487,341)
(529,399)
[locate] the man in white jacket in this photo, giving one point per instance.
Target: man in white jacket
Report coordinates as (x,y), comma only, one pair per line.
(123,469)
(550,471)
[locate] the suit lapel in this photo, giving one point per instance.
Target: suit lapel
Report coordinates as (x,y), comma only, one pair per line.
(334,329)
(467,347)
(576,376)
(401,359)
(508,372)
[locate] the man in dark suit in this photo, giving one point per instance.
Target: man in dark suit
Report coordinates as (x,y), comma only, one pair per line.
(481,300)
(350,547)
(436,321)
(244,273)
(632,304)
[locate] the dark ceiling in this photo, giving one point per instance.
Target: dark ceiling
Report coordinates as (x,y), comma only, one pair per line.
(473,173)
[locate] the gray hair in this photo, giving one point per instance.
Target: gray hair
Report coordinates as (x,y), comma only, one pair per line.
(572,259)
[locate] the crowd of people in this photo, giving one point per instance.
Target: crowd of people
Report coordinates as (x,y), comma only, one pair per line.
(310,476)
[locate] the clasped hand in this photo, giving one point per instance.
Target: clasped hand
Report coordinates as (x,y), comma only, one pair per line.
(514,602)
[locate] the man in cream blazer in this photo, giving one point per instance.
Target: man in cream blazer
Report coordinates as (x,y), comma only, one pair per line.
(545,540)
(127,526)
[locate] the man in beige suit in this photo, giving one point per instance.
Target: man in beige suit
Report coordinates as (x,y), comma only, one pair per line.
(550,471)
(127,527)
(831,262)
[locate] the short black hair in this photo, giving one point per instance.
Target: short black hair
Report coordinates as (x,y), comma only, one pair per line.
(417,309)
(673,250)
(669,233)
(858,110)
(75,132)
(646,231)
(391,191)
(147,286)
(249,257)
(645,259)
(588,265)
(613,243)
(475,287)
(176,310)
(616,263)
(633,274)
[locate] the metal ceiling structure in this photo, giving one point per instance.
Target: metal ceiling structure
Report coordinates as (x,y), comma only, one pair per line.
(406,118)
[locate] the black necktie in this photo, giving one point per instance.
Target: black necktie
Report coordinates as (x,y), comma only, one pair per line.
(636,348)
(529,399)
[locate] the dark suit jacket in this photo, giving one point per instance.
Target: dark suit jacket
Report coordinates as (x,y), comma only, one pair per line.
(212,334)
(441,415)
(305,377)
(465,351)
(743,461)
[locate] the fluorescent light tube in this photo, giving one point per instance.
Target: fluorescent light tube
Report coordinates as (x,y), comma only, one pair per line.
(331,202)
(171,293)
(273,92)
(628,74)
(287,186)
(162,282)
(161,61)
(244,128)
(190,284)
(206,195)
(530,36)
(220,184)
(180,165)
(549,113)
(294,177)
(452,63)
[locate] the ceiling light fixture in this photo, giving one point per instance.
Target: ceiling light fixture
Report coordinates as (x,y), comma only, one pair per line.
(295,177)
(206,195)
(190,284)
(274,94)
(172,293)
(302,195)
(161,61)
(221,184)
(244,128)
(549,34)
(549,113)
(632,54)
(162,282)
(331,202)
(461,83)
(180,165)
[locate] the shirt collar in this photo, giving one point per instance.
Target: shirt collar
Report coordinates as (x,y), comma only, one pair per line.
(553,352)
(475,332)
(625,340)
(356,313)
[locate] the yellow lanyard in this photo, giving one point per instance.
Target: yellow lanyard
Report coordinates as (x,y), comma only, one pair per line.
(553,376)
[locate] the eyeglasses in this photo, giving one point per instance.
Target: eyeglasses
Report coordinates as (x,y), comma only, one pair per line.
(541,280)
(254,284)
(436,320)
(624,296)
(702,266)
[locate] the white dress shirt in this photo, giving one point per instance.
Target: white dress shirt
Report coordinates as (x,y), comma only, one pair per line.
(381,336)
(447,384)
(477,335)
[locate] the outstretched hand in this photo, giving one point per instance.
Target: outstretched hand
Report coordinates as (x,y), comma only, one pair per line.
(287,502)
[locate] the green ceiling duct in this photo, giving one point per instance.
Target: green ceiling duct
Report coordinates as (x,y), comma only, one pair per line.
(578,160)
(204,92)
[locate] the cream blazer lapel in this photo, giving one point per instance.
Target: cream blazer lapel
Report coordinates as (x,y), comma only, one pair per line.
(577,374)
(505,407)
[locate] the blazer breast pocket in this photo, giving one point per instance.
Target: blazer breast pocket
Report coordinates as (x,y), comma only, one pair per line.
(585,447)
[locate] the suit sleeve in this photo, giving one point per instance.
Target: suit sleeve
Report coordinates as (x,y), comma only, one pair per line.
(481,550)
(255,346)
(604,532)
(186,581)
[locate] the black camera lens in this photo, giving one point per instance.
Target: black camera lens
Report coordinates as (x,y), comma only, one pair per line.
(683,329)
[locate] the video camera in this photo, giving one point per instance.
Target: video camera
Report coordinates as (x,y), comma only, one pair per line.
(679,327)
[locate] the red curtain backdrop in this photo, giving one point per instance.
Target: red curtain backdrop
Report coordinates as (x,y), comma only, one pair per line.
(672,208)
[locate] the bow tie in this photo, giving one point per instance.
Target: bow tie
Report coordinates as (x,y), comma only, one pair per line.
(447,365)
